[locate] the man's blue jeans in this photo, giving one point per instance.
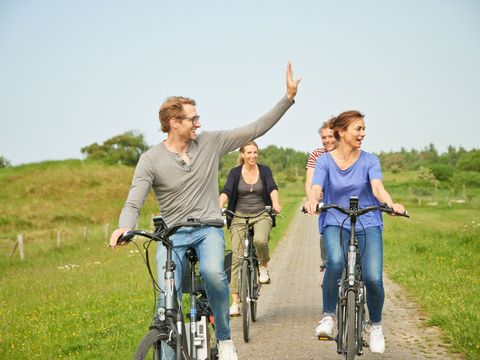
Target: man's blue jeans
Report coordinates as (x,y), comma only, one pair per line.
(371,249)
(209,244)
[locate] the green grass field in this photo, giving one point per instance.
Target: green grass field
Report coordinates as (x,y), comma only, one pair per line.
(82,300)
(435,256)
(85,301)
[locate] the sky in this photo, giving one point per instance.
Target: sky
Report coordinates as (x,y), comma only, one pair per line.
(73,73)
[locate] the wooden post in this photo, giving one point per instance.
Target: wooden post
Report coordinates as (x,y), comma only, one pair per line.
(107,231)
(59,239)
(84,232)
(21,246)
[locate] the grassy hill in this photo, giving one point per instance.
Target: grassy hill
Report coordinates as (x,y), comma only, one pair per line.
(40,199)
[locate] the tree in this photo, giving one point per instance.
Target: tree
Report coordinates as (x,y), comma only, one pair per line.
(123,149)
(4,162)
(442,172)
(469,161)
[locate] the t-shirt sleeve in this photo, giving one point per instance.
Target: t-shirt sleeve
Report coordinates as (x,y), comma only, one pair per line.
(375,170)
(311,160)
(321,170)
(139,190)
(229,140)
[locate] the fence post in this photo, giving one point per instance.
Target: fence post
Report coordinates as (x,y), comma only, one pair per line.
(21,246)
(107,230)
(84,232)
(59,239)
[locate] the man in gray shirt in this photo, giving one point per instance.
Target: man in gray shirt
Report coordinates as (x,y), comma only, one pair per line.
(183,173)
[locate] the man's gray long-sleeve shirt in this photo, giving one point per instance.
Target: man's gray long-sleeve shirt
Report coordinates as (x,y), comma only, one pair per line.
(190,191)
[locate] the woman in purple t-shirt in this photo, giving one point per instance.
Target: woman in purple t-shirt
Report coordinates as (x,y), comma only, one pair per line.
(344,172)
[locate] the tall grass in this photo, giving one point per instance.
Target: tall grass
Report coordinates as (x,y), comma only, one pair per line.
(435,256)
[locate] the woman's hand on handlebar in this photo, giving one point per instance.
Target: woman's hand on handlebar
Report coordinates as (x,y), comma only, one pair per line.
(116,235)
(277,209)
(398,208)
(310,207)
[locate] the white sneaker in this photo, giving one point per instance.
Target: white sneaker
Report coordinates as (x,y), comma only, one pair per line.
(226,350)
(325,327)
(264,278)
(235,309)
(377,340)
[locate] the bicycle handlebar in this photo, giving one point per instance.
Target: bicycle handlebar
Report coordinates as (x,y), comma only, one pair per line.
(268,209)
(164,232)
(321,207)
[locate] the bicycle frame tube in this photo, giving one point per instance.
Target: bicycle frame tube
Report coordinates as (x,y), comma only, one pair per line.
(170,300)
(193,312)
(247,241)
(352,253)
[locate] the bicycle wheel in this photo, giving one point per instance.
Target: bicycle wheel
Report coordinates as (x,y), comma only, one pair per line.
(360,328)
(150,347)
(244,297)
(254,287)
(213,344)
(350,325)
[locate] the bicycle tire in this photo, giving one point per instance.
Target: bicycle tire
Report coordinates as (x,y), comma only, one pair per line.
(359,330)
(244,297)
(150,346)
(254,292)
(350,325)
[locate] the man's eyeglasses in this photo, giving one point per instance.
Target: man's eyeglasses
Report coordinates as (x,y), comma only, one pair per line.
(195,120)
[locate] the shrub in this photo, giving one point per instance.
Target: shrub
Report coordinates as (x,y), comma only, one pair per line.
(442,172)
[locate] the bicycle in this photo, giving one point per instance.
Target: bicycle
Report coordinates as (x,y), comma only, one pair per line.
(193,342)
(351,323)
(249,286)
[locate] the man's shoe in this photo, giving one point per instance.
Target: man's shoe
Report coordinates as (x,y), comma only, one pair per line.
(377,340)
(264,278)
(226,350)
(235,309)
(325,327)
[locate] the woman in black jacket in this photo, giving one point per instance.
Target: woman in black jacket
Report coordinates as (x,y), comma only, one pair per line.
(249,188)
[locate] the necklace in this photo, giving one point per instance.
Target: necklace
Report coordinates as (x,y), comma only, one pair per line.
(248,175)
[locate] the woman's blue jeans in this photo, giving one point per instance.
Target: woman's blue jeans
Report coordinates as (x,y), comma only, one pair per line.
(209,244)
(371,249)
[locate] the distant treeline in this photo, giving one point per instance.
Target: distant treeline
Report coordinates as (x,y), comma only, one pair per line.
(455,167)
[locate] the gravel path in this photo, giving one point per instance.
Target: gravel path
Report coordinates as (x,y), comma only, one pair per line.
(290,307)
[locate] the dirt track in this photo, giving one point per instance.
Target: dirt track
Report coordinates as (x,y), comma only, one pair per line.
(290,307)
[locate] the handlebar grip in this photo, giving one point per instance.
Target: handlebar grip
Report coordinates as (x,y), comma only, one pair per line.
(127,236)
(317,209)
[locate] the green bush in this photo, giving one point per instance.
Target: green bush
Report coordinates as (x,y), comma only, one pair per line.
(442,172)
(4,162)
(467,178)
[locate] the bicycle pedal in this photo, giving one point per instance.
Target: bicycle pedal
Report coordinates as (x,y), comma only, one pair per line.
(325,338)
